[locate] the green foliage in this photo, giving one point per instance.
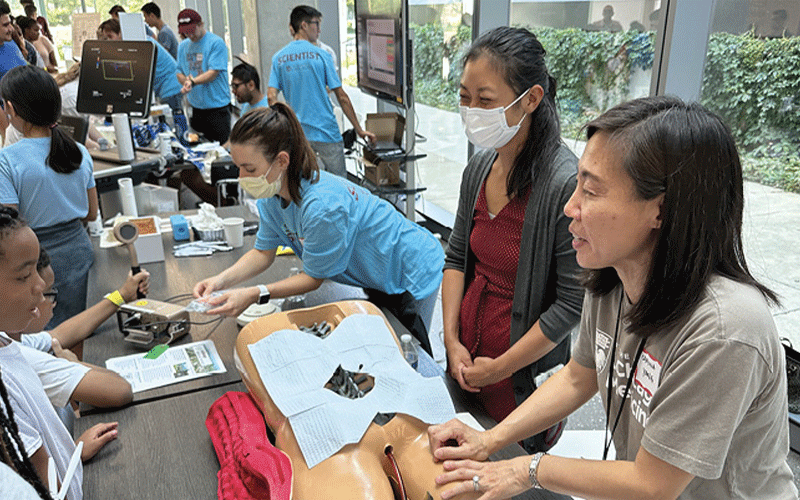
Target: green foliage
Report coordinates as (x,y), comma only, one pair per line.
(59,13)
(754,84)
(780,172)
(430,53)
(578,59)
(575,58)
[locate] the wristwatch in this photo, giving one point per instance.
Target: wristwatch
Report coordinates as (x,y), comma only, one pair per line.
(263,294)
(534,469)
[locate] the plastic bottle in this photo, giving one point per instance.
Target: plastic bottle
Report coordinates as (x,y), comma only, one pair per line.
(294,301)
(409,350)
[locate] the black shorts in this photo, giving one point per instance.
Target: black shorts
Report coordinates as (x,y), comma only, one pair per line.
(213,123)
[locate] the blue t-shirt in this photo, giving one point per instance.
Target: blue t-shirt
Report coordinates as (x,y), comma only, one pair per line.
(10,57)
(263,103)
(167,38)
(343,232)
(302,71)
(44,196)
(165,81)
(194,58)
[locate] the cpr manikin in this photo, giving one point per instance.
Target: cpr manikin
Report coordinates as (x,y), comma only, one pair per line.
(393,458)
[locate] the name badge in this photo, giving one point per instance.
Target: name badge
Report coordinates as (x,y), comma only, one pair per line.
(648,373)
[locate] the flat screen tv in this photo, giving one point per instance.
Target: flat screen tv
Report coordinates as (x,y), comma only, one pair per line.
(381,42)
(116,77)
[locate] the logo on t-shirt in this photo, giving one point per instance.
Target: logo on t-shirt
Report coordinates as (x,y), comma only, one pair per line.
(602,345)
(195,60)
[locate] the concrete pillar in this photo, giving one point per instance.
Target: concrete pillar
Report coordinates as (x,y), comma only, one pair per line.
(272,32)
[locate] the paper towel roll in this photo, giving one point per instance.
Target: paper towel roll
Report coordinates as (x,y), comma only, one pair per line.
(122,131)
(127,197)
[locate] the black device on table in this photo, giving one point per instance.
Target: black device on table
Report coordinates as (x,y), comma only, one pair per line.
(116,77)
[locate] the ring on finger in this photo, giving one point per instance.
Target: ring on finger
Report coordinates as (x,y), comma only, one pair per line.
(476,483)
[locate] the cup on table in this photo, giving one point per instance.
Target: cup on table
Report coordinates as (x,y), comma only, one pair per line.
(234,231)
(165,143)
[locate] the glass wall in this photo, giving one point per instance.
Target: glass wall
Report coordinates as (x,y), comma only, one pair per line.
(600,52)
(442,31)
(60,20)
(752,79)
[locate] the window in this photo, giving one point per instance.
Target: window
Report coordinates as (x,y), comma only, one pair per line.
(600,52)
(752,79)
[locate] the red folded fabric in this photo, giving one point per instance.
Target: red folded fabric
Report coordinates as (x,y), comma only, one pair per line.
(250,466)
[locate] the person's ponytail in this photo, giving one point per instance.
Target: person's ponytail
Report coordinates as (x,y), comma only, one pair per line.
(303,159)
(36,99)
(65,155)
(277,129)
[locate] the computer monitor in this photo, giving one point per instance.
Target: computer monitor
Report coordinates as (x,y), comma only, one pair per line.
(116,77)
(381,43)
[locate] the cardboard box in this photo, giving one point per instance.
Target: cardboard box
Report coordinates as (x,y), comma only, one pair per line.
(149,246)
(386,126)
(385,173)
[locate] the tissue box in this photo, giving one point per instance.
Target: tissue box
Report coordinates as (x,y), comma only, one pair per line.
(149,245)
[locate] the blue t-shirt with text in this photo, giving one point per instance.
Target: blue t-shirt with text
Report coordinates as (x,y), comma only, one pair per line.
(303,71)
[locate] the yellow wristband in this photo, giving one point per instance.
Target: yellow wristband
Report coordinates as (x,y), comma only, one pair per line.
(116,298)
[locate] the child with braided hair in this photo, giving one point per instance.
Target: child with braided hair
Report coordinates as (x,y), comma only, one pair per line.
(42,435)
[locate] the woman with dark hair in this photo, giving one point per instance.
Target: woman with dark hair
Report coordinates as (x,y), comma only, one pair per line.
(49,178)
(676,334)
(510,296)
(338,229)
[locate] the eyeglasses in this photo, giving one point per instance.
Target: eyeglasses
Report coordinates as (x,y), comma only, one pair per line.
(314,22)
(52,295)
(235,85)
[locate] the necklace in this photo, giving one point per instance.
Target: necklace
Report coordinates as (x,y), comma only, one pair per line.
(609,439)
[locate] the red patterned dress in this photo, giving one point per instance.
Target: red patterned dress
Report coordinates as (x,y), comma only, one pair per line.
(485,317)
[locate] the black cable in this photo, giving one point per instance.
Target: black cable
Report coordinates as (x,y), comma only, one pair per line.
(196,323)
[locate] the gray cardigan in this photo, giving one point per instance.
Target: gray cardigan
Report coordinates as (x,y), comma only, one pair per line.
(546,284)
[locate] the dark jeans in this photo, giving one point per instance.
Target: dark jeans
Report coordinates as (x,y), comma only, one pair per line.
(213,123)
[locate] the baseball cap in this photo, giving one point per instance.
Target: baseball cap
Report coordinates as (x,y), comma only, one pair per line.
(187,20)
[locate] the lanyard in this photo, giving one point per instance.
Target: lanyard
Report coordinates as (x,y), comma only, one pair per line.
(610,439)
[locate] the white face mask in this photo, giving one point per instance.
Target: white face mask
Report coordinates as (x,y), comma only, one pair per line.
(488,128)
(260,187)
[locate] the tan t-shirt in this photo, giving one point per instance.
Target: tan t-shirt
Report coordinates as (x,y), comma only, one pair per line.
(709,395)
